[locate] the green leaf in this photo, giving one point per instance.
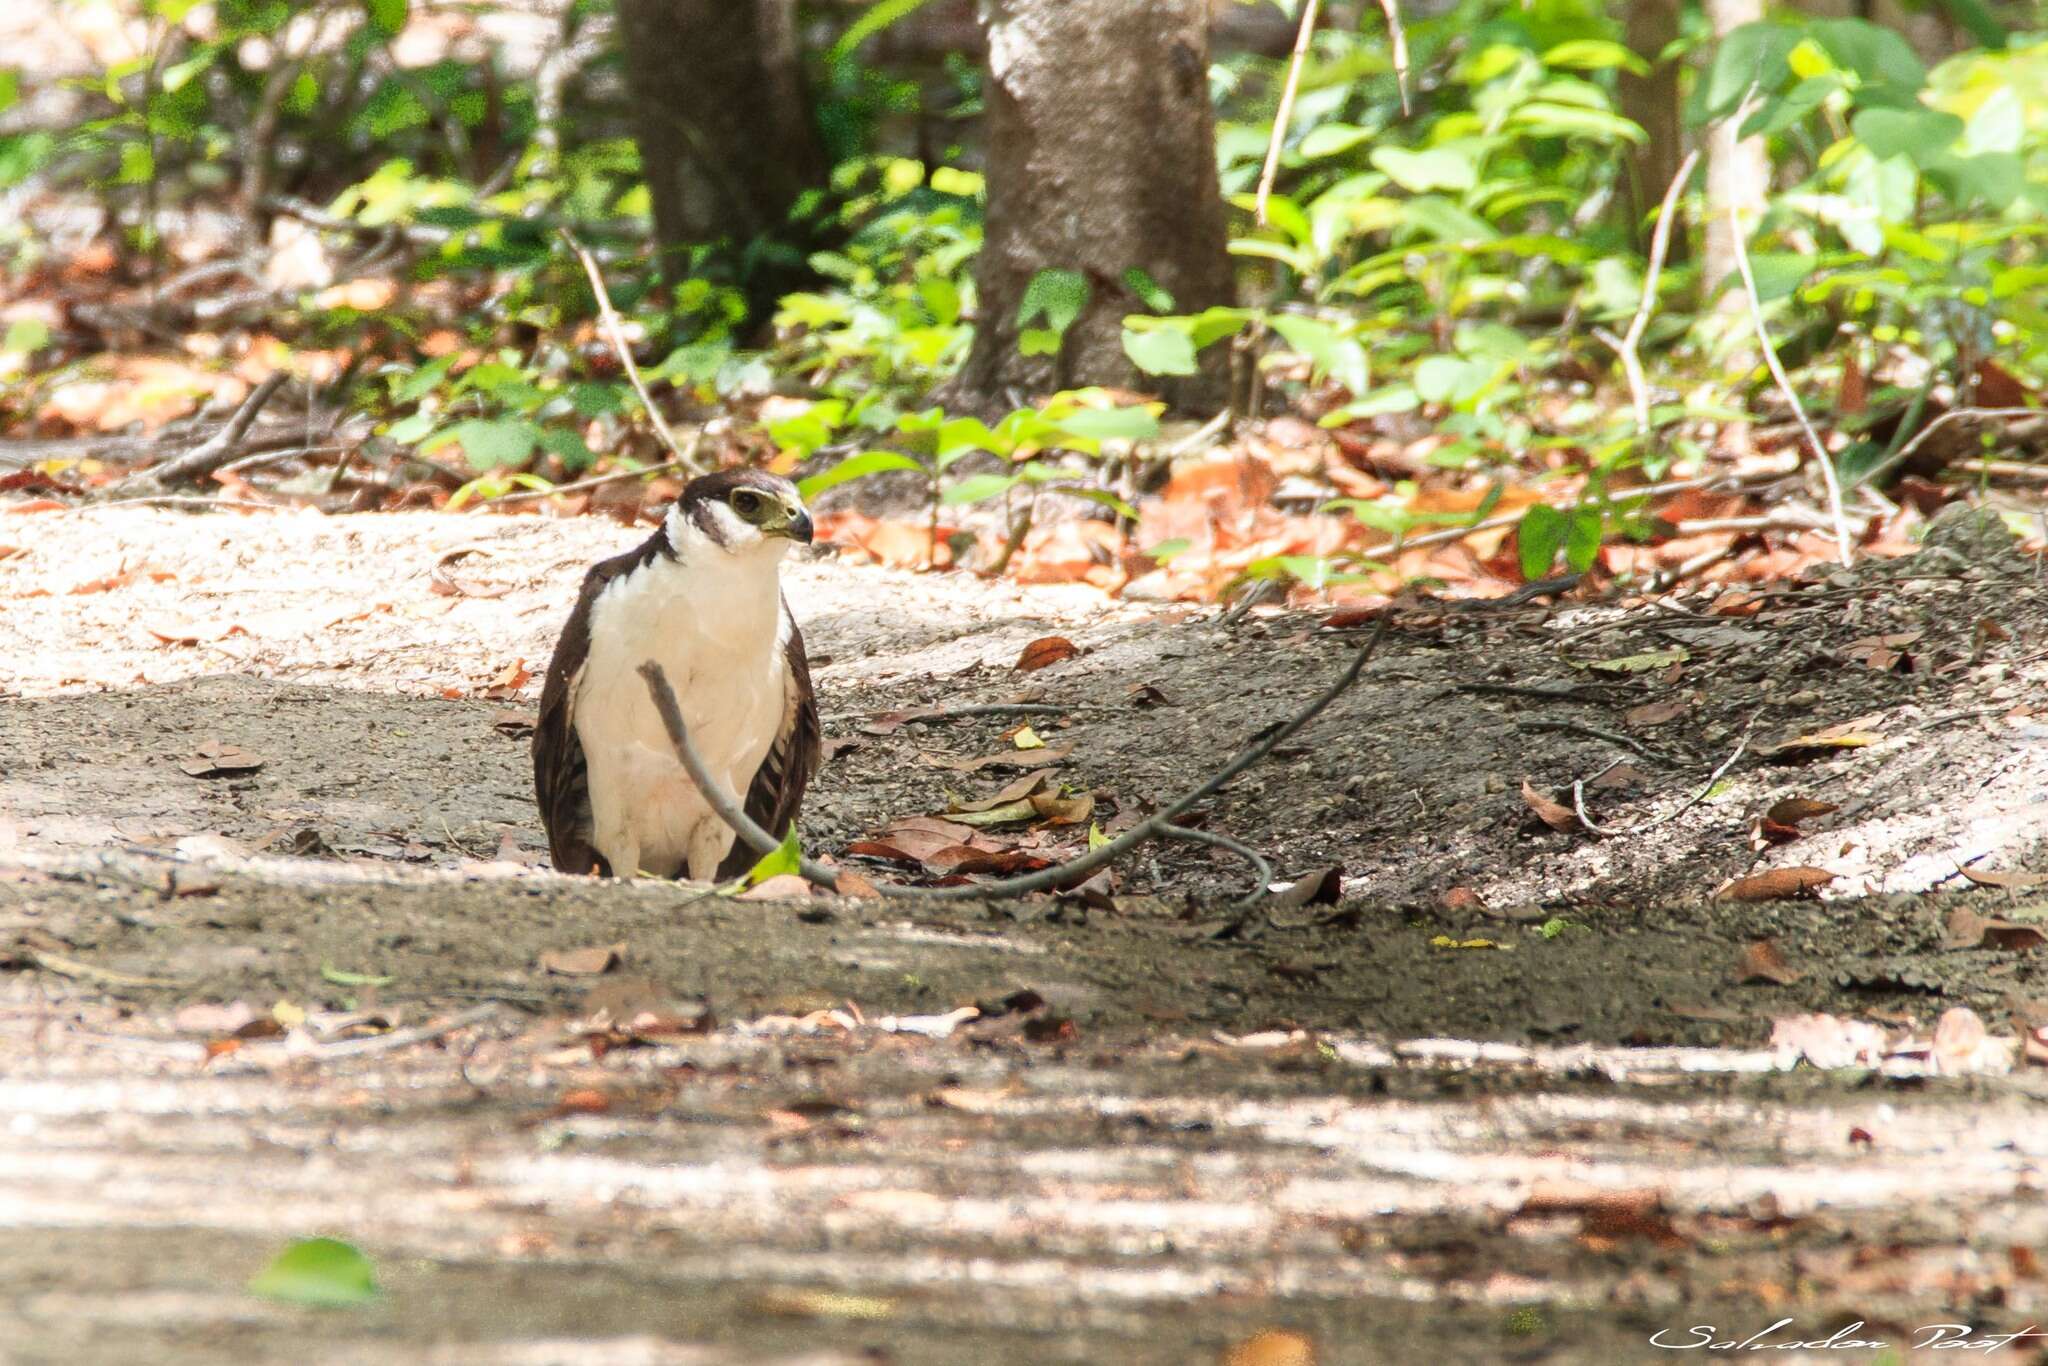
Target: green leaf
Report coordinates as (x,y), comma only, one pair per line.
(1148,290)
(1538,537)
(1166,550)
(320,1272)
(1595,54)
(1333,139)
(1110,424)
(1776,115)
(1879,56)
(855,467)
(787,858)
(10,88)
(1104,498)
(1752,56)
(1996,178)
(408,430)
(387,17)
(1038,341)
(25,335)
(330,973)
(1058,296)
(1341,358)
(1161,351)
(1778,273)
(1545,119)
(568,445)
(489,443)
(978,488)
(873,20)
(1441,168)
(1582,542)
(1918,134)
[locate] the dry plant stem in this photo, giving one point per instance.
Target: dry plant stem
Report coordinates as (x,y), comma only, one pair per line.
(1784,381)
(614,331)
(1905,452)
(597,481)
(1285,114)
(2004,469)
(1706,788)
(219,449)
(1627,345)
(1397,38)
(1045,879)
(1260,868)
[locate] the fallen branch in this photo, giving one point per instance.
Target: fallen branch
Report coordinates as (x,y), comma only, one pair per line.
(1397,38)
(1284,115)
(1777,367)
(1626,345)
(1060,875)
(1261,869)
(1706,789)
(597,481)
(614,330)
(218,450)
(1905,452)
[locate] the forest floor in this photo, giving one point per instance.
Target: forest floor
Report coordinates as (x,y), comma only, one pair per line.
(1497,1090)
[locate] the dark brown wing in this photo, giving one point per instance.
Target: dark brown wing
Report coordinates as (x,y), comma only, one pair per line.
(561,776)
(778,787)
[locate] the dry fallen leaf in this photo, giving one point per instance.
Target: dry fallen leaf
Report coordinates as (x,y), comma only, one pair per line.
(583,962)
(1274,1347)
(1763,962)
(216,759)
(176,631)
(1829,1042)
(1017,791)
(1036,758)
(1551,812)
(1026,738)
(1057,810)
(1849,735)
(1046,651)
(1642,663)
(1324,887)
(1986,877)
(1655,713)
(1968,930)
(1793,810)
(1776,884)
(781,887)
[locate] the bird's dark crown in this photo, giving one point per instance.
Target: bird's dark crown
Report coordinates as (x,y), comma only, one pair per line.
(767,501)
(719,486)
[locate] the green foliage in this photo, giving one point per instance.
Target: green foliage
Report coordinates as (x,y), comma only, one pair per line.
(319,1272)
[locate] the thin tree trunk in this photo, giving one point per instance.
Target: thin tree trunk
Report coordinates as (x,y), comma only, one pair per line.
(724,128)
(1738,172)
(1652,101)
(1101,160)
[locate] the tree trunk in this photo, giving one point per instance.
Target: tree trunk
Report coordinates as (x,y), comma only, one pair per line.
(1652,101)
(1738,173)
(1101,160)
(725,132)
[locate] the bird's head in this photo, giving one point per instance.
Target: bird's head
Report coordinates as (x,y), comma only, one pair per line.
(740,512)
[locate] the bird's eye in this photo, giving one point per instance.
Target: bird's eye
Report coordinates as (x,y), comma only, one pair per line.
(748,505)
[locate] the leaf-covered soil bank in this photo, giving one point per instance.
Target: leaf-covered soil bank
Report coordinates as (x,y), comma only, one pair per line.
(1512,1094)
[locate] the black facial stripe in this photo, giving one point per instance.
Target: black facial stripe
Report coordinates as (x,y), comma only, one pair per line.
(700,513)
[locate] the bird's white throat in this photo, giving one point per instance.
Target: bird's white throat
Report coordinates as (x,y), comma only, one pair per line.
(712,617)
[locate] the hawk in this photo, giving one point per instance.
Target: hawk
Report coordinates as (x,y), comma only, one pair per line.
(702,597)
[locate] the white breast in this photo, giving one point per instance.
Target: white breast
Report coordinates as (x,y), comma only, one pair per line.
(717,627)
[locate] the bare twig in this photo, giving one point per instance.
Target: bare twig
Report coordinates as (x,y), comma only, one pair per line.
(1706,789)
(597,481)
(217,450)
(1905,452)
(1284,115)
(2003,469)
(1660,245)
(1397,37)
(614,330)
(1045,879)
(1261,869)
(1763,337)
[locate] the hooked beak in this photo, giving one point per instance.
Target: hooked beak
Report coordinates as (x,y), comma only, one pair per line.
(795,524)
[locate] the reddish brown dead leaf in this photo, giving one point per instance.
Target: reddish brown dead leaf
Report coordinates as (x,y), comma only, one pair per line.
(1656,713)
(122,578)
(1736,603)
(1023,789)
(584,1101)
(1794,810)
(1141,695)
(964,859)
(217,759)
(1777,884)
(1462,899)
(1762,961)
(1016,758)
(1853,394)
(1046,651)
(1848,735)
(852,884)
(1986,877)
(1054,809)
(1621,775)
(1968,930)
(508,682)
(37,505)
(1274,1347)
(1551,812)
(176,631)
(583,962)
(1998,387)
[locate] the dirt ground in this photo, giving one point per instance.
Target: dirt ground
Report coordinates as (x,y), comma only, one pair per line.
(1514,1094)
